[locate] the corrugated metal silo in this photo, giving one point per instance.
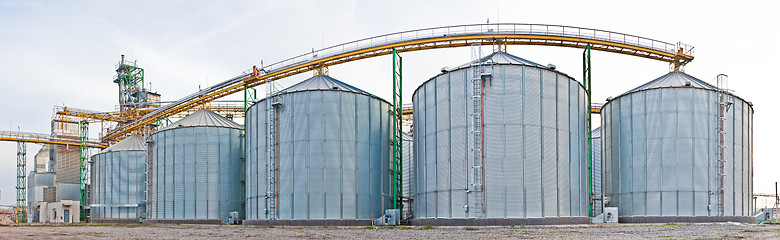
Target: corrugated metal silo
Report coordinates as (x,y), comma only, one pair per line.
(661,152)
(196,170)
(533,139)
(119,181)
(330,145)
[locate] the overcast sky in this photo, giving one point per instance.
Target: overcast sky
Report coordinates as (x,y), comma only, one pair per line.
(64,52)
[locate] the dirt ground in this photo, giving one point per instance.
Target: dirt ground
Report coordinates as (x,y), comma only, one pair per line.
(599,231)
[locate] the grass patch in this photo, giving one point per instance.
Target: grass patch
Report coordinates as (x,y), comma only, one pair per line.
(428,227)
(669,225)
(521,227)
(471,229)
(369,227)
(406,227)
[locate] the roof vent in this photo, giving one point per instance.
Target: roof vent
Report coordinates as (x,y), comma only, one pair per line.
(687,83)
(335,88)
(551,66)
(610,99)
(445,69)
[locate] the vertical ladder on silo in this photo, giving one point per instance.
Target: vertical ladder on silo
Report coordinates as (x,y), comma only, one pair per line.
(724,103)
(478,71)
(271,151)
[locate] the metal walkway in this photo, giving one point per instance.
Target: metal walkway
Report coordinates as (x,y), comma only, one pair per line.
(74,142)
(430,38)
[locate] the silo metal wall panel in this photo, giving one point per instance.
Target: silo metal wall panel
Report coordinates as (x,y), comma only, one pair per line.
(597,173)
(334,147)
(533,141)
(672,170)
(407,173)
(196,173)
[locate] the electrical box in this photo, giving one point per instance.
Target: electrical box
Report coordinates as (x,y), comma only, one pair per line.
(391,217)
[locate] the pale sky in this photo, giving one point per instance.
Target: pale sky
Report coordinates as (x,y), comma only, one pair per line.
(64,52)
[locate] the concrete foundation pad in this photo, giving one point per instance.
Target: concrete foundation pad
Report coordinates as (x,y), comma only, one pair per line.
(309,222)
(498,221)
(114,220)
(183,221)
(691,219)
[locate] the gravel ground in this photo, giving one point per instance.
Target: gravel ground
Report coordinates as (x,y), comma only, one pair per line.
(612,231)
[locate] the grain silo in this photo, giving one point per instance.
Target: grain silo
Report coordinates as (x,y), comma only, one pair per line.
(119,181)
(506,144)
(196,171)
(319,153)
(661,152)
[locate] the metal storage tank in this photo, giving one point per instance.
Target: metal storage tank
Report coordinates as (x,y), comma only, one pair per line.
(535,145)
(196,169)
(119,181)
(597,170)
(661,152)
(331,150)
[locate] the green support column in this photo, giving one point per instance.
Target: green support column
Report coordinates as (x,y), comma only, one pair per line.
(250,94)
(83,130)
(397,134)
(21,182)
(587,81)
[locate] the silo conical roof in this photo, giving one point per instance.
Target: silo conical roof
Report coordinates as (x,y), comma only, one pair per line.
(323,82)
(131,143)
(674,79)
(503,58)
(204,118)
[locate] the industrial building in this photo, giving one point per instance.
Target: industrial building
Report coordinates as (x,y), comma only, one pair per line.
(316,151)
(503,138)
(119,182)
(679,149)
(195,170)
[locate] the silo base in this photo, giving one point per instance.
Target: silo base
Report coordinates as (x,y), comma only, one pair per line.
(498,221)
(114,220)
(692,219)
(309,222)
(183,221)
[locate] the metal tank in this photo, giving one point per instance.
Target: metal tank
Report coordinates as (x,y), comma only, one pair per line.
(530,160)
(119,181)
(196,169)
(661,144)
(318,150)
